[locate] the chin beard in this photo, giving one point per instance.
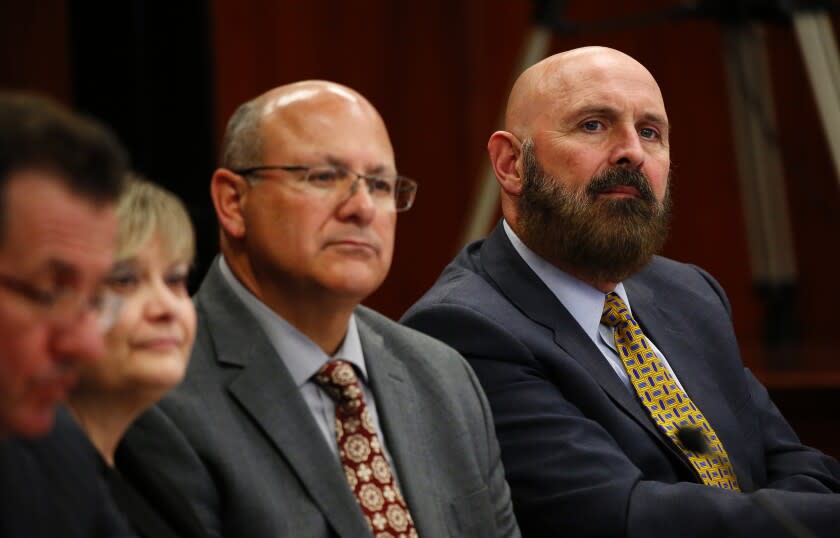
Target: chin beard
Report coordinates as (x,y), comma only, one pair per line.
(602,240)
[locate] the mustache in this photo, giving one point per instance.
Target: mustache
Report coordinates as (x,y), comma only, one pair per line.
(629,177)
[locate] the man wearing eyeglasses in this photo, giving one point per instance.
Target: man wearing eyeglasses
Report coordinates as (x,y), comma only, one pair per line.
(59,177)
(303,413)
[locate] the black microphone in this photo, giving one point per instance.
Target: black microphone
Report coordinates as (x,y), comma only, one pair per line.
(694,440)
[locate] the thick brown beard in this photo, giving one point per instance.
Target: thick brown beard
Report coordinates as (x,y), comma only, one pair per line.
(602,240)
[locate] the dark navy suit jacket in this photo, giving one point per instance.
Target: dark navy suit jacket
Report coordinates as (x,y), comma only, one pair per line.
(581,455)
(53,487)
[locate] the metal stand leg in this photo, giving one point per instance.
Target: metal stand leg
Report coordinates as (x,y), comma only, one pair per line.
(761,179)
(819,51)
(483,211)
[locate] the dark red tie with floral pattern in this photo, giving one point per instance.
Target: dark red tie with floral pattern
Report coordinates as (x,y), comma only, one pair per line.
(365,466)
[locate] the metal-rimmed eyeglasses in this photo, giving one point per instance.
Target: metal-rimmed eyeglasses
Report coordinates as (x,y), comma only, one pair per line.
(65,306)
(387,191)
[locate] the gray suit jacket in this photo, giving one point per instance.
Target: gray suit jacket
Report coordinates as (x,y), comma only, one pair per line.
(242,445)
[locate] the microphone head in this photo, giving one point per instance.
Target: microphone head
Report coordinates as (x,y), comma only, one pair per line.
(693,439)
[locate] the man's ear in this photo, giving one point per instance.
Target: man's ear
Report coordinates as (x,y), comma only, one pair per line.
(505,149)
(228,191)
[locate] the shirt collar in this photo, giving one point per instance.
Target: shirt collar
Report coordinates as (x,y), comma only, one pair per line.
(302,357)
(583,302)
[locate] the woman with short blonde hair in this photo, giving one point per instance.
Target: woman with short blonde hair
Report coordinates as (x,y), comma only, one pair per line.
(148,347)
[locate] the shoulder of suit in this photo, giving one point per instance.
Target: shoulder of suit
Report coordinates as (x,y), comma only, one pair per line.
(397,335)
(459,285)
(62,461)
(68,433)
(661,263)
(668,270)
(64,441)
(670,280)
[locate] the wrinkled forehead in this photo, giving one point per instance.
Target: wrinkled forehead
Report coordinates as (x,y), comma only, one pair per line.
(325,125)
(52,230)
(609,73)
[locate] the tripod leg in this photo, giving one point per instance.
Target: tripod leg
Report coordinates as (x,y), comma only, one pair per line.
(761,180)
(486,205)
(819,50)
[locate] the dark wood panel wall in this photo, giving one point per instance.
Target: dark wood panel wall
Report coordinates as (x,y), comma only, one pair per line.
(34,47)
(439,72)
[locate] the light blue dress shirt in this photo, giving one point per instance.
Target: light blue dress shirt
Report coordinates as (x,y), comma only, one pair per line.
(585,304)
(303,358)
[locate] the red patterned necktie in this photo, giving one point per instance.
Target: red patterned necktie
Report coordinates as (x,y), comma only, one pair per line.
(365,466)
(666,403)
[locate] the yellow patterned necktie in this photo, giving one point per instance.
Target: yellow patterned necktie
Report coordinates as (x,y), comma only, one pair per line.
(368,473)
(667,404)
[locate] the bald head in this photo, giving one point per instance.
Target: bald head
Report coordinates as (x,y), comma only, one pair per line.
(301,106)
(305,93)
(566,78)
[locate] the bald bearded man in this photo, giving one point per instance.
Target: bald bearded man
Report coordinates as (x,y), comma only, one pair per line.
(620,399)
(303,413)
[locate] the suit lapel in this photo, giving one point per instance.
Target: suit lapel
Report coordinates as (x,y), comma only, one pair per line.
(396,404)
(687,358)
(524,288)
(265,390)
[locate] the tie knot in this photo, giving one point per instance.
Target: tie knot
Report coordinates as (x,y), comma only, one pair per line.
(615,311)
(338,378)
